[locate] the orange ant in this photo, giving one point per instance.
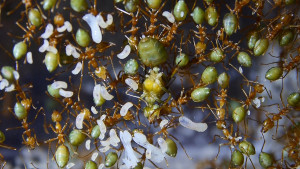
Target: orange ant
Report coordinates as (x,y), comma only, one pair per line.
(153,18)
(232,140)
(169,34)
(56,117)
(285,19)
(133,39)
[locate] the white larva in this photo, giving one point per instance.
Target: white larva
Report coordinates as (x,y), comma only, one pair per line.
(163,123)
(48,31)
(16,75)
(65,93)
(101,21)
(68,26)
(95,29)
(96,92)
(44,47)
(101,166)
(3,84)
(94,156)
(29,57)
(10,88)
(130,159)
(124,53)
(169,16)
(162,144)
(79,120)
(131,83)
(125,108)
(186,122)
(52,49)
(94,111)
(69,49)
(104,93)
(88,144)
(77,68)
(102,127)
(241,70)
(59,85)
(70,165)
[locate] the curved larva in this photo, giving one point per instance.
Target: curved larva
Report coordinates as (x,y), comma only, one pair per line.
(65,93)
(169,16)
(131,83)
(125,108)
(77,68)
(95,29)
(48,31)
(126,51)
(29,57)
(79,120)
(186,122)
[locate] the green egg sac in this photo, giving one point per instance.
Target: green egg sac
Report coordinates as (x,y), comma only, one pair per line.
(62,156)
(198,15)
(200,94)
(230,23)
(180,10)
(20,49)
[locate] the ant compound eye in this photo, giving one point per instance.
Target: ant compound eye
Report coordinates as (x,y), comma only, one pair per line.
(209,75)
(230,23)
(261,46)
(20,111)
(294,99)
(76,137)
(247,148)
(252,39)
(198,15)
(131,67)
(238,114)
(265,160)
(90,165)
(35,17)
(2,137)
(48,4)
(237,158)
(223,80)
(211,16)
(154,4)
(180,10)
(79,5)
(244,59)
(51,61)
(82,38)
(152,52)
(111,159)
(286,37)
(216,55)
(62,156)
(171,148)
(19,50)
(131,5)
(274,73)
(182,60)
(200,94)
